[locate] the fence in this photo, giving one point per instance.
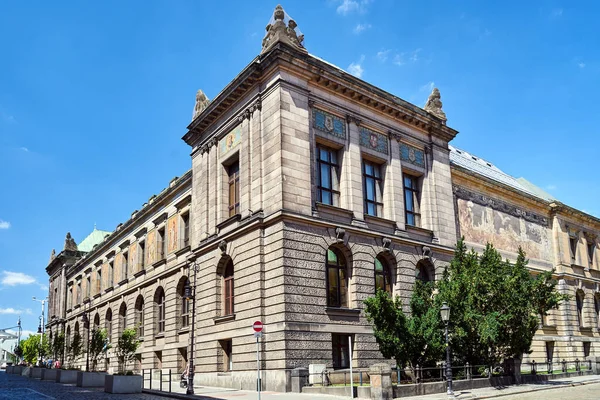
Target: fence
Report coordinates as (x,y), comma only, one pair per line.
(549,367)
(165,380)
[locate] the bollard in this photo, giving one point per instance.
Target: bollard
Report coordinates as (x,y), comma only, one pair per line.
(577,368)
(564,365)
(533,371)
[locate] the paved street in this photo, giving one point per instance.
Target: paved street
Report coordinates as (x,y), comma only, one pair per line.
(585,392)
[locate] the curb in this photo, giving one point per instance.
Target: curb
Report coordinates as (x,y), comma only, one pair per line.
(572,384)
(172,395)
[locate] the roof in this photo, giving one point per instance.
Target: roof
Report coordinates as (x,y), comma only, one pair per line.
(94,238)
(484,168)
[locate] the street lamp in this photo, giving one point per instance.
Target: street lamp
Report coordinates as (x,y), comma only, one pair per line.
(86,323)
(40,347)
(445,313)
(41,327)
(189,293)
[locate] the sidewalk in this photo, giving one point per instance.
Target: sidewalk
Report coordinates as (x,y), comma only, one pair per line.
(492,392)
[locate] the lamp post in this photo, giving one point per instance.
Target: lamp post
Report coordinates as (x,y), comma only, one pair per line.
(190,294)
(86,323)
(445,313)
(41,327)
(40,346)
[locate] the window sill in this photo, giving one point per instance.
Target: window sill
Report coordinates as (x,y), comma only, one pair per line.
(226,318)
(341,311)
(141,338)
(183,250)
(86,300)
(108,289)
(139,273)
(97,295)
(229,221)
(585,329)
(420,231)
(124,281)
(159,335)
(159,262)
(183,330)
(224,373)
(327,211)
(69,310)
(380,222)
(76,306)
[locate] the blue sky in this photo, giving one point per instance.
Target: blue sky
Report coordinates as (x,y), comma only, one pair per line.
(95,96)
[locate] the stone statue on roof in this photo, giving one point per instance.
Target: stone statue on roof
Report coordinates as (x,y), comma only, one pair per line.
(277,31)
(201,103)
(52,255)
(70,244)
(434,105)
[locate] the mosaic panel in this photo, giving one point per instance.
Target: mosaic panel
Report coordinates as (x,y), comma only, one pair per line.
(412,155)
(231,140)
(329,123)
(373,140)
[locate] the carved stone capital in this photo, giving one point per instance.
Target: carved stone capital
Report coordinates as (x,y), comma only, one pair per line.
(339,234)
(353,119)
(311,103)
(394,135)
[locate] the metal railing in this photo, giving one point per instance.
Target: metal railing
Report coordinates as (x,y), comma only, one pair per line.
(165,379)
(550,367)
(340,377)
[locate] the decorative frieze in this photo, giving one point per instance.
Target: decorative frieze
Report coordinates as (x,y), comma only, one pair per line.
(498,205)
(412,155)
(373,140)
(329,123)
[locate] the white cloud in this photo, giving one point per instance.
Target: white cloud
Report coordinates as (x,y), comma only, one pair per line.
(24,333)
(399,59)
(4,224)
(349,6)
(551,187)
(581,65)
(10,310)
(10,278)
(25,149)
(414,56)
(382,55)
(428,87)
(358,29)
(557,13)
(356,68)
(44,288)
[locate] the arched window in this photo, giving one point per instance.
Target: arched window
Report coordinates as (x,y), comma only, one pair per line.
(228,288)
(337,279)
(76,331)
(579,298)
(68,337)
(96,321)
(122,318)
(108,323)
(159,300)
(183,304)
(383,275)
(597,309)
(425,271)
(139,315)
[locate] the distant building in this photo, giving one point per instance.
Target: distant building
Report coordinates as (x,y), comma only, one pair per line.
(309,189)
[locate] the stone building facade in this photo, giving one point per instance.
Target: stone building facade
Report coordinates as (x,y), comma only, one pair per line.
(308,189)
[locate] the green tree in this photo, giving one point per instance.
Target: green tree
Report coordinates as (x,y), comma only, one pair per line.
(58,346)
(75,349)
(495,304)
(414,339)
(126,347)
(98,345)
(18,352)
(32,348)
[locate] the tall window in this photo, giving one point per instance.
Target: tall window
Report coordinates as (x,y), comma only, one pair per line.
(111,274)
(96,321)
(383,275)
(108,322)
(68,337)
(124,265)
(579,297)
(88,286)
(573,245)
(327,176)
(141,256)
(184,304)
(597,309)
(233,173)
(411,201)
(161,244)
(372,188)
(185,219)
(341,355)
(98,281)
(159,298)
(337,279)
(70,299)
(228,288)
(591,249)
(122,318)
(549,351)
(79,291)
(139,316)
(425,271)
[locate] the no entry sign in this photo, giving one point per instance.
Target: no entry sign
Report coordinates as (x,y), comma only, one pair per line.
(257,326)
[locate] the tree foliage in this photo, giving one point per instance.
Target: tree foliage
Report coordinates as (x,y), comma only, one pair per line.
(58,346)
(414,339)
(127,345)
(98,345)
(75,348)
(32,348)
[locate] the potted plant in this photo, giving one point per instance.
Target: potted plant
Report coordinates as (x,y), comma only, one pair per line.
(98,346)
(68,373)
(125,381)
(18,351)
(56,350)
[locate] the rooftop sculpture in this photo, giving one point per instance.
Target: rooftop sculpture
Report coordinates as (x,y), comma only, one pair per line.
(201,103)
(278,31)
(434,105)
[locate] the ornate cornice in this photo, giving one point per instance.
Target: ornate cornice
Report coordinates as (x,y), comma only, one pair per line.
(498,205)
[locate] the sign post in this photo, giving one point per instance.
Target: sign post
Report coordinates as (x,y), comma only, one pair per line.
(258,327)
(350,356)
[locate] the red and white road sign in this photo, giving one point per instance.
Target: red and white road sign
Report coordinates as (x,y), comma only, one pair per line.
(257,326)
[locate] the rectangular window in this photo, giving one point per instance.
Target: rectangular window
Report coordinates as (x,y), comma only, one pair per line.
(79,292)
(124,266)
(158,359)
(70,299)
(141,255)
(586,349)
(229,295)
(185,219)
(111,274)
(549,351)
(161,315)
(226,347)
(372,189)
(185,312)
(88,286)
(99,280)
(591,249)
(327,176)
(341,355)
(412,200)
(161,244)
(573,246)
(233,173)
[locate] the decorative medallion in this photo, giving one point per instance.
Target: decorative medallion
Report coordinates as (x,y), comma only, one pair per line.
(373,140)
(412,155)
(329,123)
(231,140)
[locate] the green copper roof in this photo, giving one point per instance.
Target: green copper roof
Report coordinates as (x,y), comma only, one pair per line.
(97,236)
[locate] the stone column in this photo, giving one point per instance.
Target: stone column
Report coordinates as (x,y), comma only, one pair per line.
(394,187)
(352,172)
(299,379)
(381,382)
